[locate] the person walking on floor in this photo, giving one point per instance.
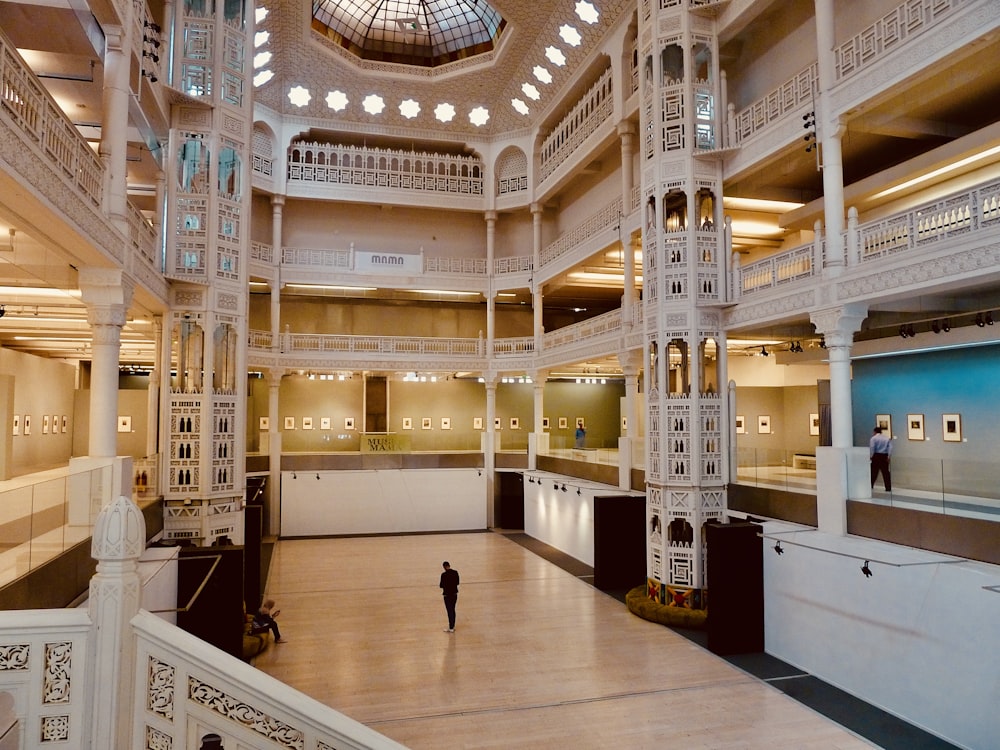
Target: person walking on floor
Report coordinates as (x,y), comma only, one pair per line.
(879,450)
(449,587)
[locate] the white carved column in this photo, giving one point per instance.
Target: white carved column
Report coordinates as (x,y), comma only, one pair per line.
(630,362)
(491,310)
(828,134)
(626,134)
(538,440)
(841,469)
(114,122)
(274,376)
(536,286)
(115,593)
(107,294)
(153,393)
(277,208)
(490,444)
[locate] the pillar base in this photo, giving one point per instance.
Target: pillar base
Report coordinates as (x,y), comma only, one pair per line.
(841,473)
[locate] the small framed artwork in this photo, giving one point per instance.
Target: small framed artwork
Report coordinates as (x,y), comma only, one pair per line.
(407,423)
(624,423)
(764,424)
(515,423)
(289,423)
(307,423)
(45,424)
(545,423)
(348,423)
(885,422)
(124,423)
(27,424)
(425,423)
(65,423)
(17,425)
(951,428)
(563,423)
(477,423)
(325,423)
(814,424)
(581,423)
(445,423)
(264,424)
(55,423)
(914,426)
(497,425)
(741,424)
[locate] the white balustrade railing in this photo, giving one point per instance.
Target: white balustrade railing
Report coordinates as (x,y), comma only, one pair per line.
(777,103)
(591,112)
(515,264)
(464,266)
(965,213)
(517,346)
(326,259)
(297,343)
(600,325)
(601,221)
(261,252)
(142,236)
(28,106)
(385,169)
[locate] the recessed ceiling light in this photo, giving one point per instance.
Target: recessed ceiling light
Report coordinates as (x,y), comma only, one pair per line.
(373,104)
(479,116)
(336,100)
(299,96)
(444,112)
(570,35)
(542,74)
(530,91)
(587,12)
(555,56)
(520,106)
(409,108)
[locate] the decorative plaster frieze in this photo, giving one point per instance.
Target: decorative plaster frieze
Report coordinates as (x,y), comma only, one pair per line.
(15,657)
(748,313)
(157,740)
(56,679)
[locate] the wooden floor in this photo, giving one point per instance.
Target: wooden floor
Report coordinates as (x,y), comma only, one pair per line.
(539,659)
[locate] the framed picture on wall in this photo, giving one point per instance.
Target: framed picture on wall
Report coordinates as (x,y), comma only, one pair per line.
(307,423)
(497,425)
(545,423)
(563,423)
(289,423)
(45,424)
(477,423)
(124,423)
(814,424)
(65,422)
(55,423)
(264,424)
(885,422)
(741,424)
(764,424)
(325,423)
(515,423)
(951,428)
(914,426)
(27,424)
(407,423)
(17,425)
(445,423)
(425,423)
(348,423)
(624,423)
(581,422)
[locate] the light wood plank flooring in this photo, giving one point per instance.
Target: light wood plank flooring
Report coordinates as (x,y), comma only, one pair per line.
(540,659)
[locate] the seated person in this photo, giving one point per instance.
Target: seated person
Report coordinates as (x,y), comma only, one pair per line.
(264,620)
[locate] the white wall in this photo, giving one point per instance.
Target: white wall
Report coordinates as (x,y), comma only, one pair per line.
(919,638)
(382,501)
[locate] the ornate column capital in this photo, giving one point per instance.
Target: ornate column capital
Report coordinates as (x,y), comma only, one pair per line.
(839,324)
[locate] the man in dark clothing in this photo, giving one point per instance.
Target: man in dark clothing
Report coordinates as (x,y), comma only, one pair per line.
(449,587)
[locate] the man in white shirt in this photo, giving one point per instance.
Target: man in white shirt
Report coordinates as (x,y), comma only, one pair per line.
(879,450)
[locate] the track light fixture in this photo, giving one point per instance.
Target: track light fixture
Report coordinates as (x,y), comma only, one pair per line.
(822,342)
(764,352)
(563,488)
(777,548)
(579,491)
(555,485)
(3,310)
(936,327)
(809,123)
(909,331)
(150,75)
(154,27)
(989,318)
(866,570)
(317,476)
(979,320)
(946,326)
(294,475)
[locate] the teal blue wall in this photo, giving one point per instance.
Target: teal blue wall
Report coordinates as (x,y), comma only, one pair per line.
(959,381)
